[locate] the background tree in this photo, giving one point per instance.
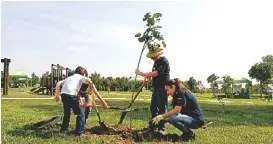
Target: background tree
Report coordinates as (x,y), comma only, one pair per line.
(192,83)
(35,79)
(268,60)
(212,81)
(226,87)
(95,77)
(262,72)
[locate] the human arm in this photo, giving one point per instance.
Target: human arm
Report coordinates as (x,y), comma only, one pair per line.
(176,110)
(147,74)
(104,104)
(57,94)
(159,68)
(178,101)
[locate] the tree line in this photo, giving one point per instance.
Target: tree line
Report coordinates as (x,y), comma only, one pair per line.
(261,71)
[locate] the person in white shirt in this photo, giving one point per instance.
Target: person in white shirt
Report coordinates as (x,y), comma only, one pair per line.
(69,92)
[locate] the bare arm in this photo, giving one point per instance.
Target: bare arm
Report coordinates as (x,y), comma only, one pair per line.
(57,94)
(98,95)
(176,110)
(91,87)
(147,74)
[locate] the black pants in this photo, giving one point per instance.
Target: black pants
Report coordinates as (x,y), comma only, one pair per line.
(71,102)
(159,103)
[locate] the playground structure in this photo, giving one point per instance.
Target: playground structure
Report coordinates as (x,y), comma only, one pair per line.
(49,80)
(237,90)
(4,80)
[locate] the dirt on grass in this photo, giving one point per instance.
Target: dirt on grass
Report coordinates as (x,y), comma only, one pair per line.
(133,134)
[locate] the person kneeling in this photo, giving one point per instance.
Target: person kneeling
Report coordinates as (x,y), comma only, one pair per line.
(186,113)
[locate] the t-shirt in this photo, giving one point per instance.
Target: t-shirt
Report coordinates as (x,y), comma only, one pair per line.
(189,105)
(84,88)
(71,85)
(162,67)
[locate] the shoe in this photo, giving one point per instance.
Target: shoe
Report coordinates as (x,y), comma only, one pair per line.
(66,131)
(162,130)
(187,137)
(83,135)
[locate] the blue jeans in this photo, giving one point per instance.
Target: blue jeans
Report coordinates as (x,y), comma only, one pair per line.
(71,102)
(87,109)
(183,122)
(159,103)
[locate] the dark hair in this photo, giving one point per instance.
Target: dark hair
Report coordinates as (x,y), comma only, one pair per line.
(85,72)
(70,73)
(178,85)
(80,70)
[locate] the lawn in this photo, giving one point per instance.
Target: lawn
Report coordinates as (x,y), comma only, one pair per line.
(237,121)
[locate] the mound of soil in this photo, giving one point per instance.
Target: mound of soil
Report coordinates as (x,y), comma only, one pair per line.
(137,135)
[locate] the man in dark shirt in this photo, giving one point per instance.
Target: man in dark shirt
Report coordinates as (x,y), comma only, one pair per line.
(160,75)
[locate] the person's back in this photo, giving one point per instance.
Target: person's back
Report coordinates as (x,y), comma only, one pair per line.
(73,84)
(192,108)
(162,66)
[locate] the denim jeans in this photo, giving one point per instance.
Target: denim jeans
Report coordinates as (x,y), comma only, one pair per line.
(71,102)
(159,103)
(87,109)
(183,122)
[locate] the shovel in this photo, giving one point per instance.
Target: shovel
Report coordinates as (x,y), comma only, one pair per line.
(123,114)
(102,124)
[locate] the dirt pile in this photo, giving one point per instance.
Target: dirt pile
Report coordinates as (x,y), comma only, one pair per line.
(136,135)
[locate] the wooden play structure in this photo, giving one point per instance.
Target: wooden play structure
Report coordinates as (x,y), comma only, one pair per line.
(5,75)
(49,80)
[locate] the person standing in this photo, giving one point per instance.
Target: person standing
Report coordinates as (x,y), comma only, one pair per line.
(160,74)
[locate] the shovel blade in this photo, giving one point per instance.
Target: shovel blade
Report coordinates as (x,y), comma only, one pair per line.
(102,124)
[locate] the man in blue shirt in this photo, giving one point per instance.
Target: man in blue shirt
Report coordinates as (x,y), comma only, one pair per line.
(160,75)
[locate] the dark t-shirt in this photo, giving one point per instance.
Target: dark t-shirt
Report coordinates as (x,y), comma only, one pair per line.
(163,69)
(84,88)
(189,105)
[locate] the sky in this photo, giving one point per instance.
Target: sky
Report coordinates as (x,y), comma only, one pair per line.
(202,37)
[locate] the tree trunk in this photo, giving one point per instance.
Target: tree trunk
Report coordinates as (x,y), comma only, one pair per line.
(261,91)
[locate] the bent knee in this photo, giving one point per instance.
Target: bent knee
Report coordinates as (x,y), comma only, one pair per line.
(173,119)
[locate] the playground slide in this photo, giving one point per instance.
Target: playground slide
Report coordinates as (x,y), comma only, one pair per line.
(36,91)
(31,90)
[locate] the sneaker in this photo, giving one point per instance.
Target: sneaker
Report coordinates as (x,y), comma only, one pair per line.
(83,135)
(66,131)
(187,137)
(162,130)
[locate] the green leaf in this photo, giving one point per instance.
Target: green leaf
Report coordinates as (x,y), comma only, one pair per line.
(138,35)
(152,21)
(141,39)
(164,44)
(150,46)
(147,38)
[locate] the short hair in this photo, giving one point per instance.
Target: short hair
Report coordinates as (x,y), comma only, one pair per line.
(80,70)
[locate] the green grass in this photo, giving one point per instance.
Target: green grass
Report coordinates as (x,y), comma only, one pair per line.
(235,122)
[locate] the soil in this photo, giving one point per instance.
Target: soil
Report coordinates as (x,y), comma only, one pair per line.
(135,135)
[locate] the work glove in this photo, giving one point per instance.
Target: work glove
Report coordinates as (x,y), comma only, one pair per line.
(157,119)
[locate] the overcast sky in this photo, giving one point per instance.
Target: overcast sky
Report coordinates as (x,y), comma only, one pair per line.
(203,37)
